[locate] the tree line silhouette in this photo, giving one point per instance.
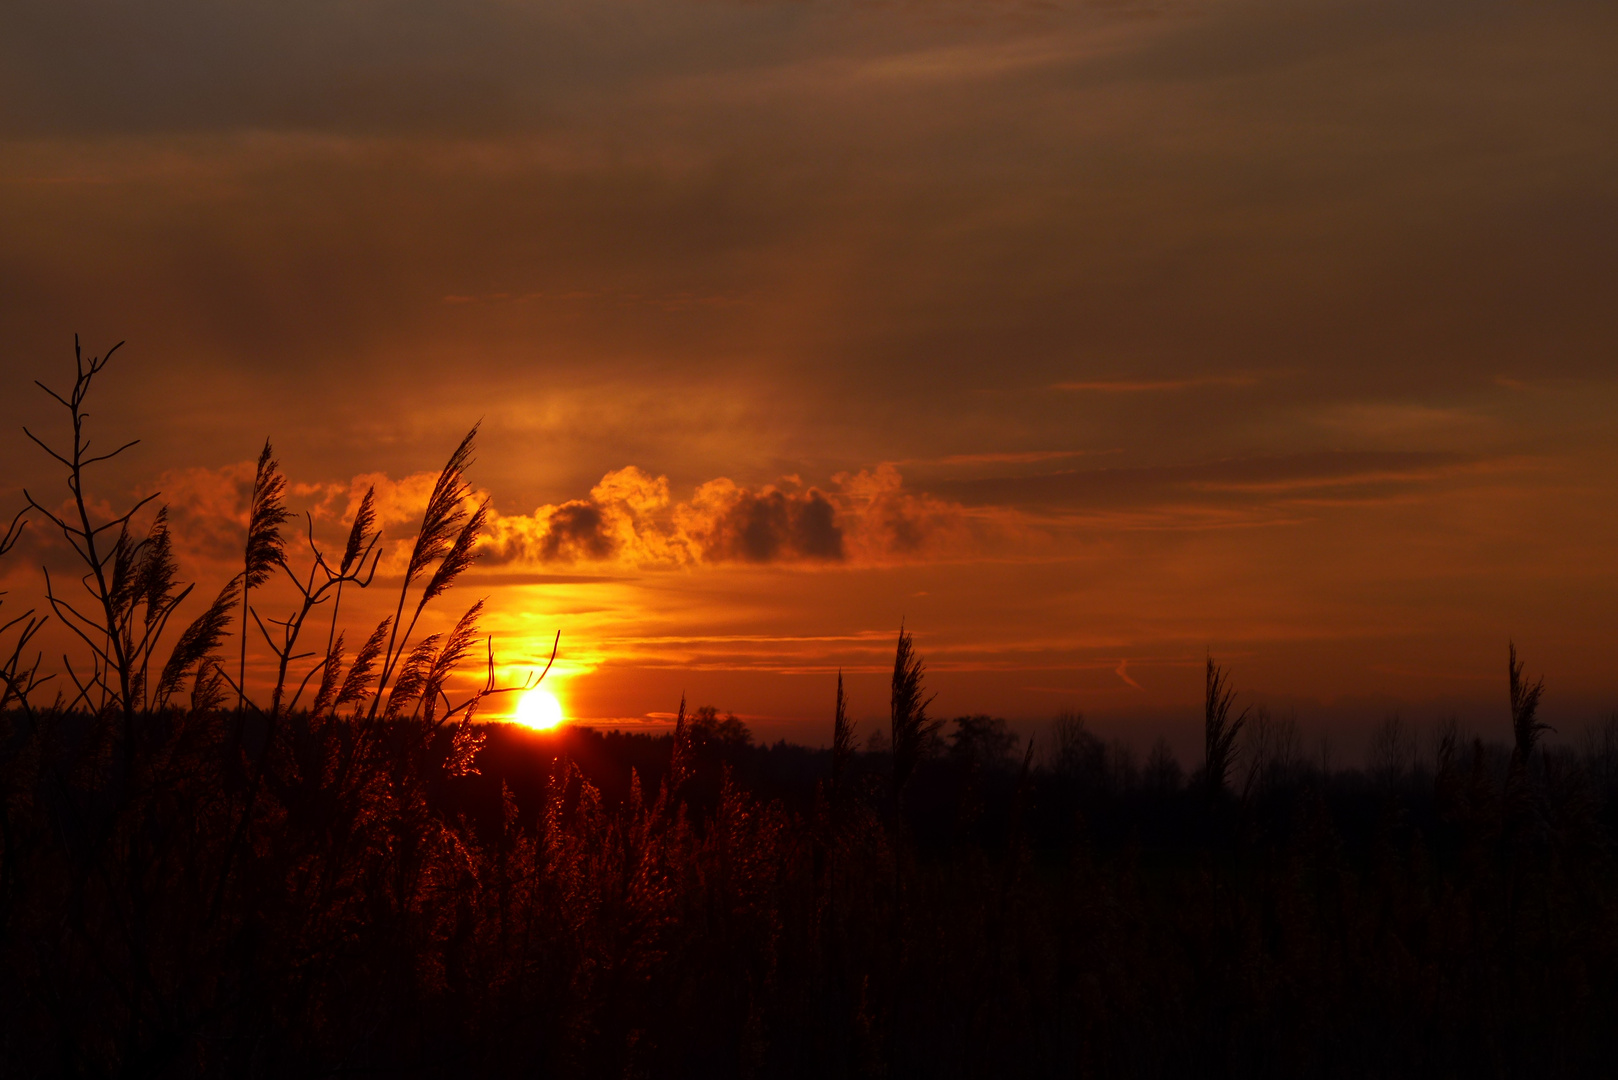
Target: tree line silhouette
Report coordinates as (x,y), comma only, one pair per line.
(348,874)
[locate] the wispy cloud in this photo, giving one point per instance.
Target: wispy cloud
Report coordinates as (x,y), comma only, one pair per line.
(1009,457)
(1149,386)
(1397,420)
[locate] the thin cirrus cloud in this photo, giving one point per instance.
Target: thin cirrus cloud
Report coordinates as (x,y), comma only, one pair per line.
(1149,386)
(1247,480)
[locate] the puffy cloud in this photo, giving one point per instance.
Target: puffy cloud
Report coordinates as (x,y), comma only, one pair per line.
(208,507)
(889,523)
(399,503)
(861,518)
(629,518)
(623,519)
(731,523)
(577,529)
(207,512)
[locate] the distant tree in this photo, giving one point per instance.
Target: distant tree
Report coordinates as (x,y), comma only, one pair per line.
(1075,750)
(981,740)
(708,728)
(1390,750)
(1163,772)
(1274,751)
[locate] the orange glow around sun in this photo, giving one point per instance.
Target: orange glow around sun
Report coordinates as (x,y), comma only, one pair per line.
(539,709)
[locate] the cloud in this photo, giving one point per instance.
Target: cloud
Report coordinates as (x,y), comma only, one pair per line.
(1146,386)
(731,523)
(208,510)
(1246,480)
(631,520)
(999,457)
(577,530)
(861,518)
(1393,420)
(623,519)
(628,519)
(888,522)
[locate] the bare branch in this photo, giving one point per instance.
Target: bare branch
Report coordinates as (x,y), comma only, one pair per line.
(14,531)
(107,456)
(84,691)
(123,519)
(34,504)
(53,394)
(41,444)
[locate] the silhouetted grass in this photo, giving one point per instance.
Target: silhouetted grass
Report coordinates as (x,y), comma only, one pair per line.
(370,883)
(1220,729)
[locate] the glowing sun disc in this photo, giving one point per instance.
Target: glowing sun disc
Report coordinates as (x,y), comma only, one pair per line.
(539,710)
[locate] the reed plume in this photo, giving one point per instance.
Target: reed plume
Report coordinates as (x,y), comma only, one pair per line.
(265,548)
(412,677)
(356,687)
(1219,728)
(208,685)
(842,738)
(158,575)
(153,585)
(459,557)
(911,727)
(361,541)
(364,519)
(680,754)
(1525,725)
(445,512)
(456,647)
(448,537)
(330,673)
(198,642)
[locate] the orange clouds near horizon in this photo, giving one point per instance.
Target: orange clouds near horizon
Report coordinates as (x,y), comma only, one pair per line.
(1022,611)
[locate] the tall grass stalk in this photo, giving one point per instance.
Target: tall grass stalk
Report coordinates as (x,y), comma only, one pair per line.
(265,549)
(1525,724)
(1220,729)
(842,739)
(911,728)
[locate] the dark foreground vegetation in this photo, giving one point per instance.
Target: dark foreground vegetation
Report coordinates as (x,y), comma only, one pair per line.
(344,874)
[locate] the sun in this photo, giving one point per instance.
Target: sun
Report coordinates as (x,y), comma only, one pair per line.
(539,709)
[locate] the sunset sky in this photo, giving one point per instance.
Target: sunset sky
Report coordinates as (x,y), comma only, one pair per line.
(1083,337)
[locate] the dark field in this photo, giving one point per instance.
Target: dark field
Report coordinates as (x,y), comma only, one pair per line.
(567,910)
